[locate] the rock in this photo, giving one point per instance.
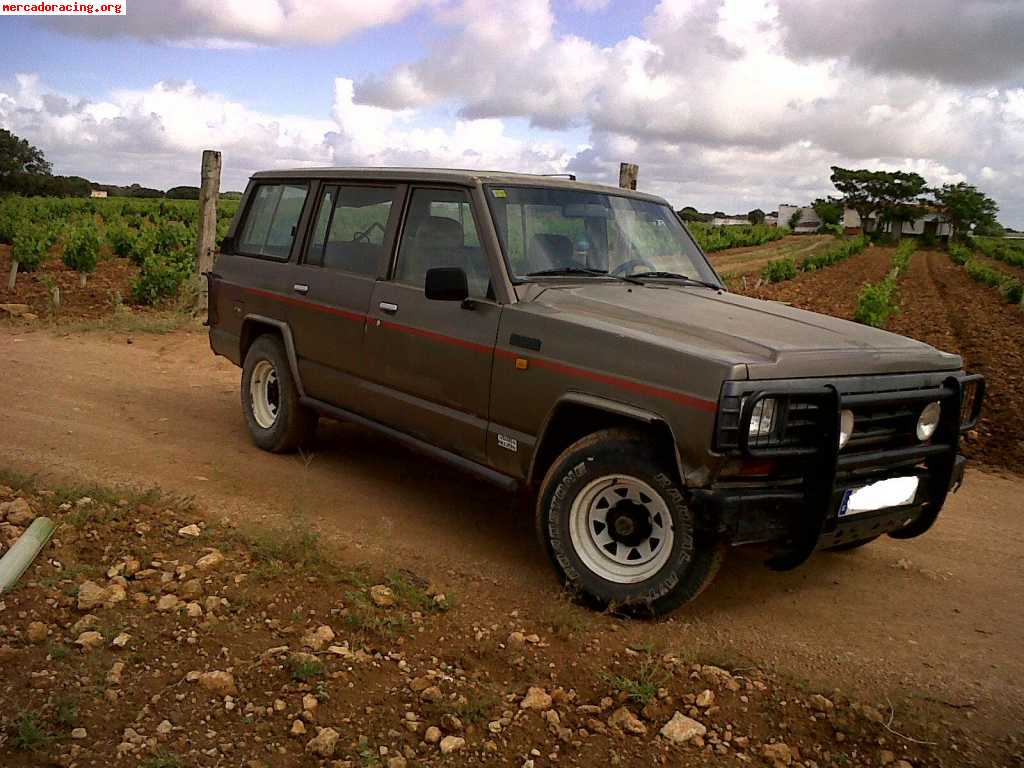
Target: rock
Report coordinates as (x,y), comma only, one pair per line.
(121,641)
(190,531)
(220,683)
(89,640)
(323,743)
(168,603)
(820,703)
(193,610)
(680,729)
(886,757)
(90,595)
(17,512)
(36,632)
(114,675)
(298,728)
(625,720)
(79,733)
(89,621)
(431,693)
(318,638)
(432,735)
(705,699)
(451,723)
(116,593)
(397,762)
(536,698)
(191,589)
(309,703)
(903,764)
(779,752)
(382,596)
(451,744)
(210,560)
(516,640)
(164,728)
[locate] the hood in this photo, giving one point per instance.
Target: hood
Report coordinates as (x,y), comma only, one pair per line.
(771,339)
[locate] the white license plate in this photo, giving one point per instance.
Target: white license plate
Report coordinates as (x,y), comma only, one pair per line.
(894,492)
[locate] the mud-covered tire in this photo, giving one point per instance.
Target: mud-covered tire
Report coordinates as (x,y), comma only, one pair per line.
(603,460)
(288,424)
(851,545)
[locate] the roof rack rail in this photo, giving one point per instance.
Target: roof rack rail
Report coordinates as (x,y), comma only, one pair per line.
(569,176)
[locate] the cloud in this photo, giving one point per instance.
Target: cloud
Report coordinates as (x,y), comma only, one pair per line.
(239,23)
(968,42)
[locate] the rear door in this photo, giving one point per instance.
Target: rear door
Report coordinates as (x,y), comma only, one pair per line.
(430,361)
(348,247)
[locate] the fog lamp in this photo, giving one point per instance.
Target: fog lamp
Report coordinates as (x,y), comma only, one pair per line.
(845,427)
(928,421)
(763,417)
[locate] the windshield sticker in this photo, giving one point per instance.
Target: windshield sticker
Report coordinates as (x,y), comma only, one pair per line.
(499,193)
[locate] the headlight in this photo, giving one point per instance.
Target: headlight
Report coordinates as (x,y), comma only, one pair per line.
(762,419)
(845,427)
(928,421)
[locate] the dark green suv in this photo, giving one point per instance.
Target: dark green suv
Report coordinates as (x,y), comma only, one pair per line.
(571,340)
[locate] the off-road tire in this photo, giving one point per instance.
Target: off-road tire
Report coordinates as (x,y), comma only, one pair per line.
(695,555)
(851,545)
(294,425)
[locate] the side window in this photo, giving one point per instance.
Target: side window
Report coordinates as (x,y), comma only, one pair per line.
(440,232)
(272,220)
(350,227)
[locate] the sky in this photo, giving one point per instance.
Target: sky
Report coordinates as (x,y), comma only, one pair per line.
(724,104)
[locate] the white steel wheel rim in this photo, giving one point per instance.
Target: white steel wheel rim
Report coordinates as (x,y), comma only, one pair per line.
(621,529)
(265,393)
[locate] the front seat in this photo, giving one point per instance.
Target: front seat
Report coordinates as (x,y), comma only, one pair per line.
(438,242)
(548,251)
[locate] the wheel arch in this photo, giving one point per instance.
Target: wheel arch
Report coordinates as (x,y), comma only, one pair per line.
(254,326)
(576,415)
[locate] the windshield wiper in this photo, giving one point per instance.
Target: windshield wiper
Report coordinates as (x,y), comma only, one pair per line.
(676,276)
(581,271)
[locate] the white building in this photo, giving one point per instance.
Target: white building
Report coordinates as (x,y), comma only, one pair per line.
(98,193)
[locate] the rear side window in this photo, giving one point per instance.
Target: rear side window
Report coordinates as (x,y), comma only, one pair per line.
(350,227)
(272,220)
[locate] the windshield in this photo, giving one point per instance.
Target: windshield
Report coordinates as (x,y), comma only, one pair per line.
(548,231)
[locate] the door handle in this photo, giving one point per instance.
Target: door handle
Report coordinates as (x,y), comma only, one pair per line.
(301,288)
(387,306)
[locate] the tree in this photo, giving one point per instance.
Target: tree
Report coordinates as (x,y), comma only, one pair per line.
(829,210)
(966,207)
(756,216)
(794,219)
(18,156)
(853,185)
(893,196)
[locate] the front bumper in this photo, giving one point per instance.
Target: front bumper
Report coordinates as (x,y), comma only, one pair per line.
(799,510)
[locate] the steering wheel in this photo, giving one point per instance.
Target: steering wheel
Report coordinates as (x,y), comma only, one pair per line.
(364,236)
(628,265)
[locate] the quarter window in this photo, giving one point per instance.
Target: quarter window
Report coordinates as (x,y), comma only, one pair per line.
(350,227)
(272,220)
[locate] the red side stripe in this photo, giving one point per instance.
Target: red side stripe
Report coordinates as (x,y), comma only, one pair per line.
(682,398)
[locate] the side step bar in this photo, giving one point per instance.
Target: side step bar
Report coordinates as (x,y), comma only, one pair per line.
(505,482)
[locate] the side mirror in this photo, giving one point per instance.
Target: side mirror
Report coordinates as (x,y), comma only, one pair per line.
(446,284)
(227,245)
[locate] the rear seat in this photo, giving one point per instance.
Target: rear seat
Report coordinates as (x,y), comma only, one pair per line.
(358,257)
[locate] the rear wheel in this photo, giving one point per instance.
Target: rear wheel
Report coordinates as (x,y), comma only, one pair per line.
(618,529)
(277,421)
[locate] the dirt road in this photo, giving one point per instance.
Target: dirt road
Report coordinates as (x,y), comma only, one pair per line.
(935,623)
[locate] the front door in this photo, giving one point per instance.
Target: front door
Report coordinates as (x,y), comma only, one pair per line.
(430,361)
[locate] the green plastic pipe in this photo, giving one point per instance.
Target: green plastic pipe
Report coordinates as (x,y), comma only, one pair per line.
(20,556)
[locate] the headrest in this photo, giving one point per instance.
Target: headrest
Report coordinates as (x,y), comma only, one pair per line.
(440,232)
(556,249)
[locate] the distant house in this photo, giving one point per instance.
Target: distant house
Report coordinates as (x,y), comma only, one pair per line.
(729,221)
(772,219)
(98,193)
(930,223)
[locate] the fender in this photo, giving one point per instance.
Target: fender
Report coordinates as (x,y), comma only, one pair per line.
(289,344)
(613,407)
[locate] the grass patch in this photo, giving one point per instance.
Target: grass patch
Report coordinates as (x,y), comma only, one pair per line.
(279,549)
(27,732)
(477,709)
(779,270)
(17,481)
(162,760)
(643,686)
(126,320)
(412,591)
(65,711)
(303,669)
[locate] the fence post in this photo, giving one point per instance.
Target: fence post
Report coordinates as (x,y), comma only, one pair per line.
(627,175)
(209,192)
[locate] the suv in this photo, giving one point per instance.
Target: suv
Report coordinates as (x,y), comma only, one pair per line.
(572,340)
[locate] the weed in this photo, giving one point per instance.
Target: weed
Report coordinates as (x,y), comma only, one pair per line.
(779,270)
(59,651)
(412,591)
(162,760)
(474,710)
(303,669)
(296,547)
(642,688)
(66,711)
(28,733)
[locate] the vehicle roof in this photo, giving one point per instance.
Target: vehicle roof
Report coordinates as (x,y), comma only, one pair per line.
(461,176)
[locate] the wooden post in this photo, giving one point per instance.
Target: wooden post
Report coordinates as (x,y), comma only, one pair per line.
(209,192)
(13,279)
(627,175)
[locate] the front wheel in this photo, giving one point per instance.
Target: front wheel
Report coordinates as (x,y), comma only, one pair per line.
(277,421)
(618,529)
